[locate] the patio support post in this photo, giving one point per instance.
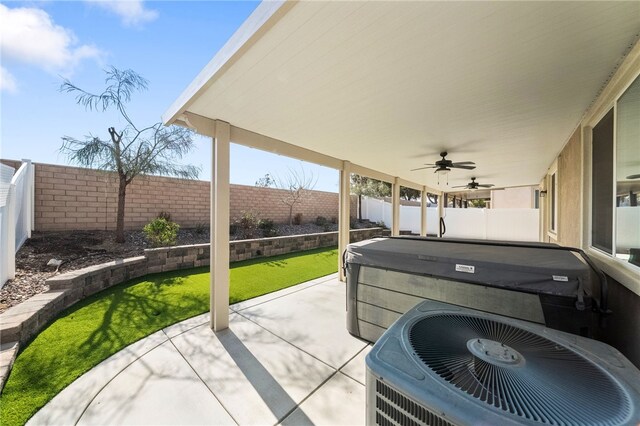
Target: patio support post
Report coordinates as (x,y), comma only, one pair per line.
(395,208)
(219,260)
(423,212)
(344,219)
(441,200)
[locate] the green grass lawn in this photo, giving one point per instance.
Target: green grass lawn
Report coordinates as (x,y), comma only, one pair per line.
(101,325)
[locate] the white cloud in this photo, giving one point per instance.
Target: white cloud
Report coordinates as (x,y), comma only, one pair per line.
(7,81)
(131,12)
(29,35)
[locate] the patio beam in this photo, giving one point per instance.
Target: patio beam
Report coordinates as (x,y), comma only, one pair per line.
(423,212)
(219,253)
(344,219)
(395,207)
(276,146)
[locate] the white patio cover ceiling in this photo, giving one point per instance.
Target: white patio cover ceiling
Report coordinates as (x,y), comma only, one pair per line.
(388,85)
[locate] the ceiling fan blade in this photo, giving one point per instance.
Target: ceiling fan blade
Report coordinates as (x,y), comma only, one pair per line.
(458,166)
(461,186)
(422,168)
(464,162)
(488,185)
(633,176)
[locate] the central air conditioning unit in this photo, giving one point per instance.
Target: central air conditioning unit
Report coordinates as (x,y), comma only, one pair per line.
(442,364)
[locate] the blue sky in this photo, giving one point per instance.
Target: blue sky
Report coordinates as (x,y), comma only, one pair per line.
(167,42)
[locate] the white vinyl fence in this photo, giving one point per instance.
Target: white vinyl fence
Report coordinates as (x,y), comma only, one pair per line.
(486,224)
(16,214)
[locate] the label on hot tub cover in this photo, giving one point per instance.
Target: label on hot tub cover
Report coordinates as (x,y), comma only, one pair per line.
(560,278)
(469,269)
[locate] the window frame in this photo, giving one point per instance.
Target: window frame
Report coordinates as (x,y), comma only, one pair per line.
(614,266)
(552,204)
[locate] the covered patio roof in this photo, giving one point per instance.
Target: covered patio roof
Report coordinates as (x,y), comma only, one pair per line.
(388,85)
(379,88)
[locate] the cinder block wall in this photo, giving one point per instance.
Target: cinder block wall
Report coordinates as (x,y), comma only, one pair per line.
(74,198)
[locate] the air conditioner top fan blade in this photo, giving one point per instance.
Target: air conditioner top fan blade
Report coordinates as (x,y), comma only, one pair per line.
(633,176)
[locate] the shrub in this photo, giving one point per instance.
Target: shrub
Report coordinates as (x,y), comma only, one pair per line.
(353,223)
(201,228)
(164,215)
(268,228)
(321,221)
(381,224)
(161,232)
(334,220)
(297,219)
(247,225)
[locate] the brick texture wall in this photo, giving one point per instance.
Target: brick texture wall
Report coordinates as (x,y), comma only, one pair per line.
(73,198)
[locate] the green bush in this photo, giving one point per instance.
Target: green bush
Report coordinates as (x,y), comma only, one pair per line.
(247,225)
(321,221)
(297,219)
(161,232)
(268,228)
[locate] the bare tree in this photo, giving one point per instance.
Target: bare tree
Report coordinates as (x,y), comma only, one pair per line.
(296,185)
(133,151)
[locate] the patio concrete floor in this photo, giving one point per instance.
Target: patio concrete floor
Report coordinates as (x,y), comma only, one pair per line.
(285,359)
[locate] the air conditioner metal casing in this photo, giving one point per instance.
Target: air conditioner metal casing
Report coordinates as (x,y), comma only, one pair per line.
(401,390)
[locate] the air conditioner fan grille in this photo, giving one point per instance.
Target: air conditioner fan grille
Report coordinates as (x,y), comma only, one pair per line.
(517,371)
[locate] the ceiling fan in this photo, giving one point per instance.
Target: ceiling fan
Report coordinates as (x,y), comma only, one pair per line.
(473,185)
(444,166)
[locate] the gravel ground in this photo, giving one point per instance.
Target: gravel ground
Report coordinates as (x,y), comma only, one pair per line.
(79,249)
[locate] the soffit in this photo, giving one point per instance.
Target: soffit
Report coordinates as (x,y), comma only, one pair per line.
(388,85)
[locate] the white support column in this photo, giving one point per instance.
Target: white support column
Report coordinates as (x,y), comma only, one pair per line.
(344,214)
(440,212)
(423,212)
(395,208)
(30,198)
(219,260)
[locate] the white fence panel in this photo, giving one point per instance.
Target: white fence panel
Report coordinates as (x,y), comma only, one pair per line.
(6,249)
(513,224)
(492,224)
(465,223)
(16,215)
(628,225)
(410,218)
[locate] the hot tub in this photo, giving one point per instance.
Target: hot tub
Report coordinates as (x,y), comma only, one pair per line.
(535,282)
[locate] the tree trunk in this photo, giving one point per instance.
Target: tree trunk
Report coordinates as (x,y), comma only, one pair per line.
(122,192)
(360,207)
(291,215)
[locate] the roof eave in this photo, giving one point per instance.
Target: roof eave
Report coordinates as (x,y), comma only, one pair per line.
(257,24)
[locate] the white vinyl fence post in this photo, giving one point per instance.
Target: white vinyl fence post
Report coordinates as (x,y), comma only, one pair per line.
(30,199)
(11,232)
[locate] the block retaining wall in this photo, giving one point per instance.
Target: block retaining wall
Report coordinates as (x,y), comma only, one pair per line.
(20,323)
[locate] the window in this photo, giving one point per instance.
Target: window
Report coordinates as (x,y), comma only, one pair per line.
(602,184)
(552,196)
(615,179)
(627,211)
